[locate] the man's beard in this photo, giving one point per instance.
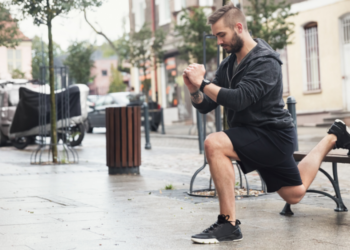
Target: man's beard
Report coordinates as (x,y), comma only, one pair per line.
(236,44)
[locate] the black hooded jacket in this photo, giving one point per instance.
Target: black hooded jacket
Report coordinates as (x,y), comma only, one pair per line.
(253,96)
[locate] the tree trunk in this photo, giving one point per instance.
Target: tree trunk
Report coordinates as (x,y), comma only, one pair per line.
(52,90)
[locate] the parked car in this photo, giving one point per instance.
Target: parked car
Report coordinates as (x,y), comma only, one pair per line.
(97,112)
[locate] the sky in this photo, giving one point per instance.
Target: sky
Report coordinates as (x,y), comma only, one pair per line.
(108,18)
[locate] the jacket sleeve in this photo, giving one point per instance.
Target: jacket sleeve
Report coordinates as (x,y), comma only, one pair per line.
(262,76)
(208,104)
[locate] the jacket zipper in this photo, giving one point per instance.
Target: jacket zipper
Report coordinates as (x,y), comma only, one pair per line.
(228,78)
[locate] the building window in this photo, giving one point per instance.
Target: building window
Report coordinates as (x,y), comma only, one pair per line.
(164,12)
(104,73)
(313,79)
(205,2)
(138,8)
(14,60)
(179,5)
(346,30)
(285,73)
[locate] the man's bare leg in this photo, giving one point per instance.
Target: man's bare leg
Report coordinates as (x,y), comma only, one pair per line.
(308,169)
(219,152)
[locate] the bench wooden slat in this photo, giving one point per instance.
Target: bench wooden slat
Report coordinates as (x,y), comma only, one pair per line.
(341,158)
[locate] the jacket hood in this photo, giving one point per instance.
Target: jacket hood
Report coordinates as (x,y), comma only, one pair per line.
(262,49)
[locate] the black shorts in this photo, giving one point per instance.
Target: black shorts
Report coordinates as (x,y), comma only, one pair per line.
(270,151)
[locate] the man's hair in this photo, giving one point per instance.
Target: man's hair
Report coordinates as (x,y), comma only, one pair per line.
(231,15)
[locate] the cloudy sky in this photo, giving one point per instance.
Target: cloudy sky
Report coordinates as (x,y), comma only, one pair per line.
(73,27)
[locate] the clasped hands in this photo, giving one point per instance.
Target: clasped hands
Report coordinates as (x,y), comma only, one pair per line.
(193,76)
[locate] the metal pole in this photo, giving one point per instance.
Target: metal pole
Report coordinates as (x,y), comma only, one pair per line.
(217,110)
(292,110)
(42,52)
(199,116)
(162,120)
(200,132)
(146,125)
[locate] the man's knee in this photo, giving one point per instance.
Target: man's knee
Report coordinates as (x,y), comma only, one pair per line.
(211,144)
(293,200)
(296,196)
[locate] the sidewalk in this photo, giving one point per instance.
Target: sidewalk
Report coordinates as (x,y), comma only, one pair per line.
(82,207)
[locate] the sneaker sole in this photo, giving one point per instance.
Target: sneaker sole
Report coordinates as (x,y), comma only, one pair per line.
(210,241)
(337,120)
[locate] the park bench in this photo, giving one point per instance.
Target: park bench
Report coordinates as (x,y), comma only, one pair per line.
(334,159)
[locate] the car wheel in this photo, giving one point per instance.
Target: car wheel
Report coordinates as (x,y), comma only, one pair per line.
(154,127)
(3,139)
(88,127)
(74,135)
(20,142)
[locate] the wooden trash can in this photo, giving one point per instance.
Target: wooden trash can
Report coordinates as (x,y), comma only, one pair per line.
(123,136)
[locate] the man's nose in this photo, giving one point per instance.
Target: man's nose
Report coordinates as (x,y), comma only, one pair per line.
(219,41)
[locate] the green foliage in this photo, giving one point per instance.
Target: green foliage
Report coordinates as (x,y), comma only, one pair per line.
(106,49)
(169,187)
(43,11)
(193,23)
(8,28)
(117,84)
(140,48)
(40,52)
(17,74)
(269,22)
(79,62)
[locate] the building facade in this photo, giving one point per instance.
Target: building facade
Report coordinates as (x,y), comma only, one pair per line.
(315,66)
(319,59)
(18,58)
(167,84)
(101,73)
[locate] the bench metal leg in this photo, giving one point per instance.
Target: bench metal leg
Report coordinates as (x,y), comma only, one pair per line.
(286,210)
(340,205)
(335,183)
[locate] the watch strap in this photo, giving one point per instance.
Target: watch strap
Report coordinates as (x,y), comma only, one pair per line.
(205,82)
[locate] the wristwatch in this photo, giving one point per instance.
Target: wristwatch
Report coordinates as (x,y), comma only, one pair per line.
(205,82)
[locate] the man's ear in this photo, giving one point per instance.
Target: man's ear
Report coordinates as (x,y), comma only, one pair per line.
(239,27)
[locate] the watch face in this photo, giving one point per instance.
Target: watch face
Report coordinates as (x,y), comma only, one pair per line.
(206,81)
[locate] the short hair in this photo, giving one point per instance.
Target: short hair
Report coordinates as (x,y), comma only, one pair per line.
(231,14)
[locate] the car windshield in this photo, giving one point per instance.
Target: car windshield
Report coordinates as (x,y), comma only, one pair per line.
(124,98)
(93,98)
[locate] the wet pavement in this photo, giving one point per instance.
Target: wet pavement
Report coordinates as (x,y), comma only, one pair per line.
(81,207)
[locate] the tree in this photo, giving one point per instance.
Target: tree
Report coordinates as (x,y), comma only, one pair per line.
(269,22)
(193,23)
(79,62)
(119,47)
(40,56)
(117,84)
(142,47)
(139,48)
(17,74)
(8,28)
(43,12)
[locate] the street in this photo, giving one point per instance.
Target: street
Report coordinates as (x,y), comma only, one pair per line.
(82,207)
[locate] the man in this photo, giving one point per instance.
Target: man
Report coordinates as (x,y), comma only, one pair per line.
(261,134)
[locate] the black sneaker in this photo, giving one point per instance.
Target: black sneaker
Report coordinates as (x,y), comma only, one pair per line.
(222,230)
(339,129)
